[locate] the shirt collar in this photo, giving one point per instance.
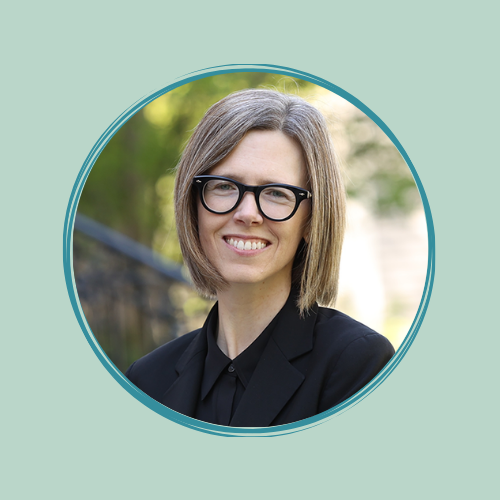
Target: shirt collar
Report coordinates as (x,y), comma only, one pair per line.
(246,362)
(216,361)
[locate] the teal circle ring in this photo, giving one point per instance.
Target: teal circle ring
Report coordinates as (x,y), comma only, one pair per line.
(117,374)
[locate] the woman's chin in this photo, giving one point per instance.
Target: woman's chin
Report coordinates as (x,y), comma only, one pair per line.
(244,280)
(254,277)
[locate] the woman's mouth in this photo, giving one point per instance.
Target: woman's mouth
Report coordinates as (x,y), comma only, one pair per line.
(246,244)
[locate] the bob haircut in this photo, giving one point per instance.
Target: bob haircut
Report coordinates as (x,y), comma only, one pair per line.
(316,265)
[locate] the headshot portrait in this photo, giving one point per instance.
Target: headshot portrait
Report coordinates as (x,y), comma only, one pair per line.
(250,250)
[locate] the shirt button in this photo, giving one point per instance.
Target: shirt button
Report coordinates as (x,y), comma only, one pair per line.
(230,369)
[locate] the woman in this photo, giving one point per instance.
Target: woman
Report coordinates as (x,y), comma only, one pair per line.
(260,213)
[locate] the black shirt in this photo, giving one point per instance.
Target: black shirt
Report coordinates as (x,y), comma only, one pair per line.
(224,380)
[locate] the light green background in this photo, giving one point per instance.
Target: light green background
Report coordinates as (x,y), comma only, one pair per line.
(429,71)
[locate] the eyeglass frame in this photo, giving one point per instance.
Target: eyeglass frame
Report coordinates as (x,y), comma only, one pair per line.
(300,194)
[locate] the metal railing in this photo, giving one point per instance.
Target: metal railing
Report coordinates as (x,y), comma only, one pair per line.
(134,299)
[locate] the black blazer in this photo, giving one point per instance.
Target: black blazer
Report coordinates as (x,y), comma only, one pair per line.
(308,366)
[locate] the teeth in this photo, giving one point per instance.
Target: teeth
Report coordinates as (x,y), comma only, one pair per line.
(246,245)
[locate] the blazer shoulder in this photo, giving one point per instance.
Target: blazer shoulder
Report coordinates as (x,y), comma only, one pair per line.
(160,362)
(339,332)
(356,355)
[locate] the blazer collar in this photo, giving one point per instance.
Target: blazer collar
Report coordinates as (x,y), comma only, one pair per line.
(293,334)
(183,395)
(274,380)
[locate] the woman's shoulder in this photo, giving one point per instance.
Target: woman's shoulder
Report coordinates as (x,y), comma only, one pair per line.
(162,358)
(341,333)
(352,352)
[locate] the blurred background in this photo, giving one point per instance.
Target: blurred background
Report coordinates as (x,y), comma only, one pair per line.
(128,269)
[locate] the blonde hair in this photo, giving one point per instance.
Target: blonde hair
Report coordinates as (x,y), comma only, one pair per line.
(317,262)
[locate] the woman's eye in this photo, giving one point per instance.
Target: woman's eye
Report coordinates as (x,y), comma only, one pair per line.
(219,186)
(225,187)
(277,194)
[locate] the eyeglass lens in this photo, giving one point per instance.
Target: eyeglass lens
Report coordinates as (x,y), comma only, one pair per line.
(275,202)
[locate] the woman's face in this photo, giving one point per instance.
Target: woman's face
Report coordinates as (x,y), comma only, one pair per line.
(262,157)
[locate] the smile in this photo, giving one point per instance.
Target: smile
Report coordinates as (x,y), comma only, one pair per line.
(246,244)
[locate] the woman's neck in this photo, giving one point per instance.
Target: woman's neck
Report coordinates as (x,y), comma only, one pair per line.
(244,312)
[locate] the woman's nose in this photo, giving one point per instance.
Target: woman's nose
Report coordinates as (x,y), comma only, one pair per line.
(247,211)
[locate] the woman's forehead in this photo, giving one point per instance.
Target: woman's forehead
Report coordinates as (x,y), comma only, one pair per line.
(264,157)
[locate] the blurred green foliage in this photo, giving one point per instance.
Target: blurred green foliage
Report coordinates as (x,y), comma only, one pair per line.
(130,186)
(376,172)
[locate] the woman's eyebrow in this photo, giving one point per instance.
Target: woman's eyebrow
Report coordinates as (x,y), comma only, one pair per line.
(239,178)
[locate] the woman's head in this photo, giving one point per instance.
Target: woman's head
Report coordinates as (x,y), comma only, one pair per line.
(232,124)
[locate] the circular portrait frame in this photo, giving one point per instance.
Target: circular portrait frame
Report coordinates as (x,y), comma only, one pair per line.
(120,377)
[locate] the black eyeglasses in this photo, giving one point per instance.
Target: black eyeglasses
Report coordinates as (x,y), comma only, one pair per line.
(276,202)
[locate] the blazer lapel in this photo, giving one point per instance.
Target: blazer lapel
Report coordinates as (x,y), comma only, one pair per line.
(275,379)
(184,394)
